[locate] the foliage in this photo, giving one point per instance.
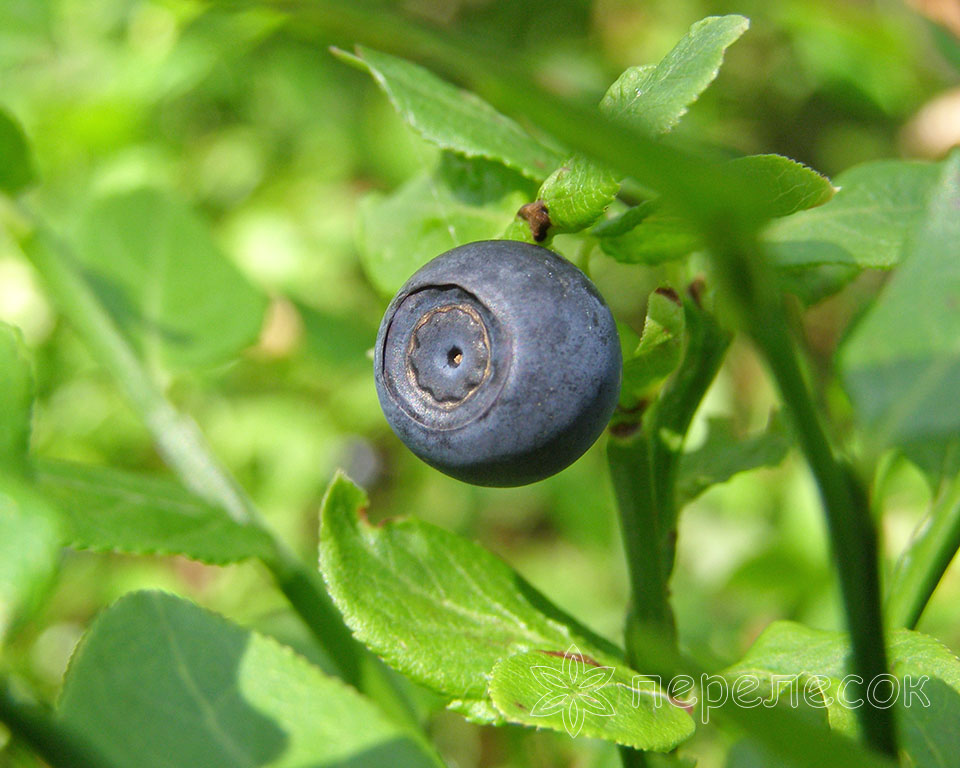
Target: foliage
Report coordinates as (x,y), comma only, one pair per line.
(198,229)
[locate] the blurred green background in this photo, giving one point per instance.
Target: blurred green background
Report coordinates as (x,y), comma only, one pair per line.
(275,143)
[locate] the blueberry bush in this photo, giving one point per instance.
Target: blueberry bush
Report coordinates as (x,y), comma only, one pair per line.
(204,211)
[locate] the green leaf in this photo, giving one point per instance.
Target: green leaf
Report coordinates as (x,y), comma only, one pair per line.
(168,286)
(452,118)
(928,675)
(660,236)
(785,186)
(577,194)
(459,202)
(652,234)
(17,170)
(439,608)
(16,399)
(865,225)
(939,460)
(29,551)
(659,351)
(654,99)
(722,455)
(901,364)
(112,510)
(158,682)
(570,692)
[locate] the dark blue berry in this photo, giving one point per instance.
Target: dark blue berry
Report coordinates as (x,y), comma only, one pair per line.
(498,363)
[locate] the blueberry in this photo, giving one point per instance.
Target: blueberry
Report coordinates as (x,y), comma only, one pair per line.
(498,363)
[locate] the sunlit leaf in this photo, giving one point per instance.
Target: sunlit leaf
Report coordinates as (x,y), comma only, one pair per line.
(452,118)
(655,98)
(652,234)
(650,97)
(110,510)
(570,692)
(168,286)
(439,608)
(459,202)
(925,690)
(29,550)
(865,225)
(157,681)
(659,351)
(577,194)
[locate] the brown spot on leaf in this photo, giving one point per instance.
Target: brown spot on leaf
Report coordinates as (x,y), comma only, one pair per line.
(537,216)
(668,293)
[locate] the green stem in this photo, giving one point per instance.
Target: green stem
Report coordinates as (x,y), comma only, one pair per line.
(643,468)
(852,534)
(183,447)
(51,739)
(631,470)
(707,345)
(925,560)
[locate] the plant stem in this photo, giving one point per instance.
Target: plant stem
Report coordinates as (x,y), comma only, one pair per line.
(925,560)
(631,470)
(852,534)
(183,447)
(51,739)
(643,468)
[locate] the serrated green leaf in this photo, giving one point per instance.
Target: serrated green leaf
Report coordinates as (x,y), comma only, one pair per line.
(452,118)
(653,234)
(654,99)
(864,226)
(17,170)
(439,608)
(110,510)
(459,202)
(722,455)
(659,351)
(157,681)
(901,364)
(570,692)
(29,550)
(168,286)
(16,399)
(785,185)
(928,691)
(577,194)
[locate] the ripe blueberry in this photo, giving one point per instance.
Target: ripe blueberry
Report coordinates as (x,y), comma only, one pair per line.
(498,363)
